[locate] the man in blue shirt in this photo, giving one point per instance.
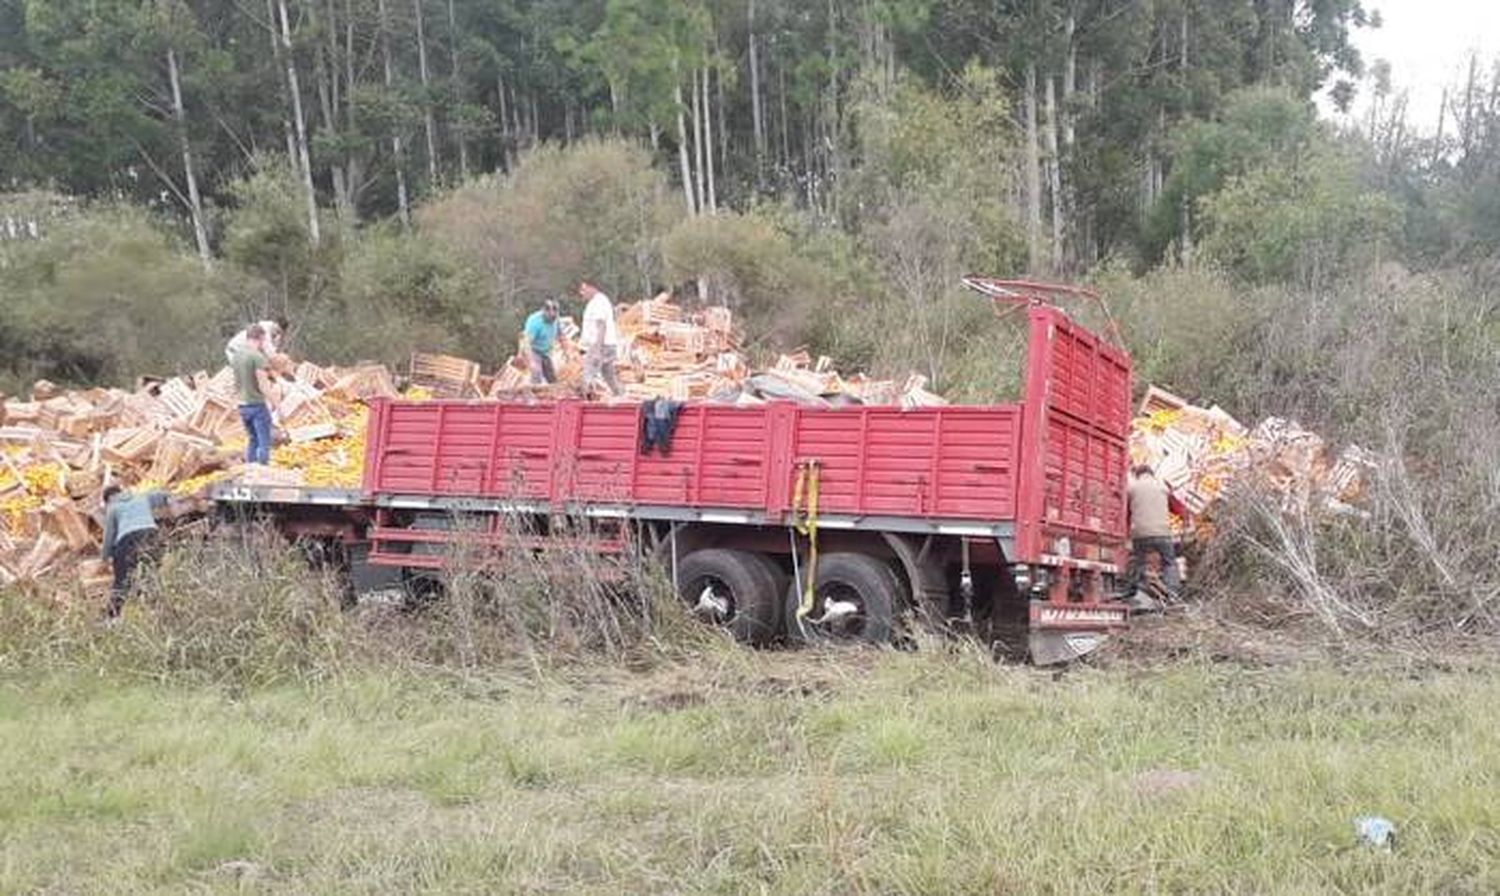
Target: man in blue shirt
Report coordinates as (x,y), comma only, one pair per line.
(129,530)
(541,334)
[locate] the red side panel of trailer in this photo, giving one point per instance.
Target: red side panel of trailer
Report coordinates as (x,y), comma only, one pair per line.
(1053,464)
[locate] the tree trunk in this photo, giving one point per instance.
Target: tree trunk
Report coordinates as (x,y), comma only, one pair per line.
(1466,124)
(682,144)
(700,182)
(463,143)
(504,121)
(1070,80)
(286,123)
(786,143)
(708,146)
(1182,60)
(1437,140)
(1033,177)
(429,121)
(195,202)
(313,231)
(403,206)
(1054,170)
(353,164)
(324,61)
(723,143)
(834,164)
(755,105)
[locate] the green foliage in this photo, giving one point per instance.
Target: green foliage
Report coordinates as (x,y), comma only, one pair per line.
(1185,329)
(267,238)
(401,293)
(1255,128)
(595,211)
(104,294)
(1304,220)
(930,194)
(752,264)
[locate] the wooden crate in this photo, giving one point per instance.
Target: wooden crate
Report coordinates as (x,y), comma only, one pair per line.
(445,375)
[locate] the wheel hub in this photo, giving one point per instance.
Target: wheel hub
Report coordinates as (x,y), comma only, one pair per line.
(714,602)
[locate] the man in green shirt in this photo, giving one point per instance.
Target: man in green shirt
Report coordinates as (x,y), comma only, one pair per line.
(252,380)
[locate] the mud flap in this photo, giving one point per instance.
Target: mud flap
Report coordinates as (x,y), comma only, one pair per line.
(1050,648)
(1063,633)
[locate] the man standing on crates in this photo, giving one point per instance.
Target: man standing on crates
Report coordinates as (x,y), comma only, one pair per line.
(253,383)
(600,340)
(273,335)
(541,335)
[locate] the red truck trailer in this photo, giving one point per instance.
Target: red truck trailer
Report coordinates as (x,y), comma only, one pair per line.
(1009,518)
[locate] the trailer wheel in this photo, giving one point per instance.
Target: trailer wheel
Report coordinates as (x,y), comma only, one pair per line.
(854,600)
(735,589)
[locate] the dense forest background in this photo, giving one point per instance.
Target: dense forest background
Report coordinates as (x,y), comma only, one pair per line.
(404,174)
(417,173)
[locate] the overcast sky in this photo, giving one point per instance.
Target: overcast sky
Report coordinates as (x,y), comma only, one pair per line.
(1428,43)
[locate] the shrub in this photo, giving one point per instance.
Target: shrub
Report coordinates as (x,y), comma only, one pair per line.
(595,210)
(103,295)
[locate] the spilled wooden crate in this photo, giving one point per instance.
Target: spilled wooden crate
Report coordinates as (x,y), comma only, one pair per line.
(445,376)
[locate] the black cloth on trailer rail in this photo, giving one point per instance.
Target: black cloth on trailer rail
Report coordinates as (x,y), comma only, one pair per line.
(658,423)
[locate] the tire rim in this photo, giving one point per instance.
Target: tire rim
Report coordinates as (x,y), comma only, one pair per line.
(838,613)
(710,598)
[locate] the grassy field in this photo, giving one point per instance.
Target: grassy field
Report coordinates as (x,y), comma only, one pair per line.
(741,772)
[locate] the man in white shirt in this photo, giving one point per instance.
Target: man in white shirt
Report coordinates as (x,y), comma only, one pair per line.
(600,340)
(275,332)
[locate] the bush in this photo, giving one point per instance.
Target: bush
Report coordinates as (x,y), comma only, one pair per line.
(101,296)
(751,263)
(251,610)
(595,210)
(403,292)
(1399,364)
(269,248)
(1307,221)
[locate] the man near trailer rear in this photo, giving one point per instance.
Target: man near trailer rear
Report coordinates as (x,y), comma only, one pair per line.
(252,381)
(541,336)
(600,340)
(1151,529)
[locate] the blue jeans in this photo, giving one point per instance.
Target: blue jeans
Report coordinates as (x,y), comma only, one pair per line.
(257,420)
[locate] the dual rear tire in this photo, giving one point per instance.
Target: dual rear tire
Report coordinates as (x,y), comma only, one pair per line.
(855,598)
(738,590)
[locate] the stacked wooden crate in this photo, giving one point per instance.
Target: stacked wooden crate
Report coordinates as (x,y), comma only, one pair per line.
(60,449)
(1201,452)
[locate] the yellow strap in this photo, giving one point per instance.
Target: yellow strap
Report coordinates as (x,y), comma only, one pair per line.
(810,475)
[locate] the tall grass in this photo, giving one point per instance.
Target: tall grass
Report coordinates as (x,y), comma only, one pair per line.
(247,608)
(757,773)
(1400,364)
